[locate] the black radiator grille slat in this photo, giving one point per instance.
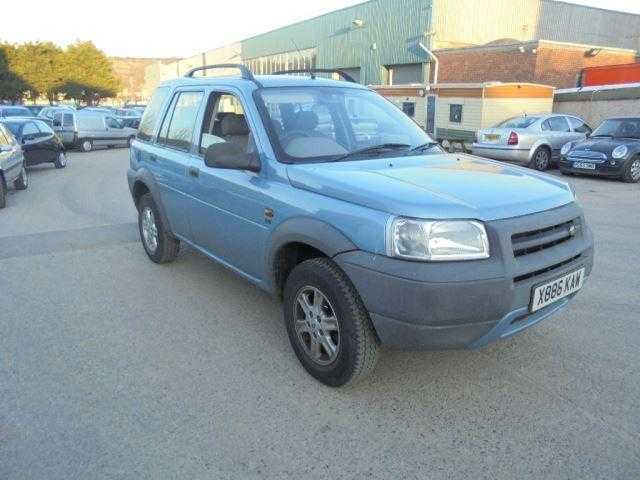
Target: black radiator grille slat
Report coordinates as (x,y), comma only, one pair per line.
(533,241)
(542,271)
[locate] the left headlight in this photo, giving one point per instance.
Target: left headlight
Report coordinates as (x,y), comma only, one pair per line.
(620,152)
(566,148)
(437,240)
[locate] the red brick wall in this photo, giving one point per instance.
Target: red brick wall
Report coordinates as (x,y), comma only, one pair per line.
(475,67)
(560,67)
(552,65)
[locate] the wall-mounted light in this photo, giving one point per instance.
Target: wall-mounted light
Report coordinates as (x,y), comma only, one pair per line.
(592,52)
(357,23)
(521,49)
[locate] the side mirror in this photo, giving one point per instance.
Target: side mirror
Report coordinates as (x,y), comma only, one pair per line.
(230,156)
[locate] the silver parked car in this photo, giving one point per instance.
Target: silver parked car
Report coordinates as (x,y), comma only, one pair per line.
(533,140)
(87,129)
(12,167)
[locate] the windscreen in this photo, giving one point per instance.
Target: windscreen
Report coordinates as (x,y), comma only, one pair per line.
(330,123)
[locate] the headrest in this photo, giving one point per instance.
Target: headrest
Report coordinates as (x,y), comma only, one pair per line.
(234,125)
(306,121)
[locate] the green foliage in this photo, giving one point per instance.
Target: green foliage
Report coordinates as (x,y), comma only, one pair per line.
(89,75)
(12,85)
(80,72)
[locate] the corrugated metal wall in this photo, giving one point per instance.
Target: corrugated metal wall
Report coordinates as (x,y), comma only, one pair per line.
(477,22)
(389,35)
(564,22)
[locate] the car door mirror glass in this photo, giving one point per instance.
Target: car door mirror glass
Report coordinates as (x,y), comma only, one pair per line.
(230,156)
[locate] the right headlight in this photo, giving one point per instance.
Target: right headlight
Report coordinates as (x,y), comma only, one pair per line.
(619,152)
(566,148)
(437,240)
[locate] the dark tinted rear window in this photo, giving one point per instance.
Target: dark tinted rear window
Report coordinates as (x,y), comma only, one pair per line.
(152,114)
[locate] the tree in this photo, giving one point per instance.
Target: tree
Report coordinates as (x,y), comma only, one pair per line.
(41,64)
(12,85)
(88,74)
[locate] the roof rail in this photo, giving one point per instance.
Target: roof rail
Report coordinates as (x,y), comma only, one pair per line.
(244,71)
(312,71)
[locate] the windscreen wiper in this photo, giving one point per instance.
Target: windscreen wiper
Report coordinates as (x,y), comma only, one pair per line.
(374,149)
(425,145)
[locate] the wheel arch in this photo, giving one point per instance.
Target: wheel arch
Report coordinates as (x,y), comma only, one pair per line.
(142,181)
(544,143)
(297,240)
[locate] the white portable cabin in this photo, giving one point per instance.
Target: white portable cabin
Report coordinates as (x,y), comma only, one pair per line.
(453,112)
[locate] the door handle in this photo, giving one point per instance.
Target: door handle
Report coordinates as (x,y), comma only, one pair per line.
(194,172)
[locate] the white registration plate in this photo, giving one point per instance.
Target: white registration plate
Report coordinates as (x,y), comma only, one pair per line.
(554,290)
(584,165)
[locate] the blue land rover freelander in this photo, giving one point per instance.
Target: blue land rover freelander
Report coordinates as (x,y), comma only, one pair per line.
(326,195)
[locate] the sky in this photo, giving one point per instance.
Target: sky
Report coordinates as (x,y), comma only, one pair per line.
(153,28)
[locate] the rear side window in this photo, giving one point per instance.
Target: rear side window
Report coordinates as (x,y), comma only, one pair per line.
(181,121)
(579,126)
(152,114)
(67,120)
(30,129)
(44,128)
(556,124)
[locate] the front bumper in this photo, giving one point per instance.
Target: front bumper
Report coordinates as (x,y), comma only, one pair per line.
(502,152)
(603,168)
(434,305)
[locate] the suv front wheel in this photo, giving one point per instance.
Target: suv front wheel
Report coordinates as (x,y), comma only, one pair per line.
(160,245)
(327,323)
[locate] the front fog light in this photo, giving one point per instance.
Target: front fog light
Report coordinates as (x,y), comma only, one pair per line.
(437,240)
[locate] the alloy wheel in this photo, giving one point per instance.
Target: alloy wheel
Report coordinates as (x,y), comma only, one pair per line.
(635,170)
(541,160)
(316,325)
(149,229)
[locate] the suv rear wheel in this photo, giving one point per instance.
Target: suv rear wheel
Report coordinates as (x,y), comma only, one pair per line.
(160,245)
(328,326)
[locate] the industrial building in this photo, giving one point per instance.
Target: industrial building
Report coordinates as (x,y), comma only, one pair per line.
(379,41)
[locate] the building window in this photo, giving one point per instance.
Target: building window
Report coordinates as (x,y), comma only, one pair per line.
(405,74)
(455,113)
(409,108)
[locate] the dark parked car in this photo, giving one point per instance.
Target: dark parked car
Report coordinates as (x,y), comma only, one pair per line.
(613,150)
(14,111)
(39,143)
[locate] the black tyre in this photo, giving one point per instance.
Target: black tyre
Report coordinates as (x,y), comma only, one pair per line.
(160,245)
(61,160)
(22,182)
(541,159)
(86,145)
(3,193)
(632,171)
(327,323)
